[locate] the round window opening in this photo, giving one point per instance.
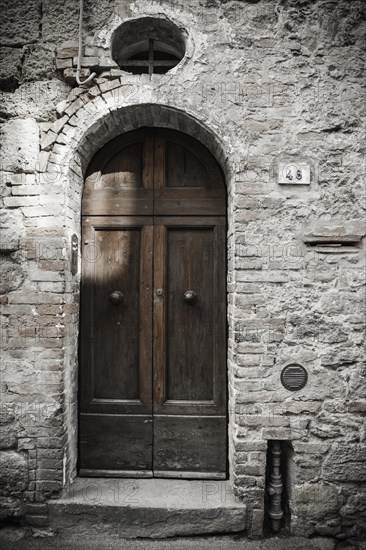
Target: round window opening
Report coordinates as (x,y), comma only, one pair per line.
(148,45)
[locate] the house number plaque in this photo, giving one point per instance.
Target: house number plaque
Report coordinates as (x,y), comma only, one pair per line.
(292,173)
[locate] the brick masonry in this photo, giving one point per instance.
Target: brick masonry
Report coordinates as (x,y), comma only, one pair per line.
(262,83)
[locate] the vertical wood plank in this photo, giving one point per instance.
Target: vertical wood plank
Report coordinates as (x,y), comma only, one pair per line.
(148,161)
(159,330)
(146,290)
(159,161)
(220,321)
(86,313)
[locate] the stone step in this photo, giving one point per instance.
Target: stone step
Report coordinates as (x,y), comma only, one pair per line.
(155,508)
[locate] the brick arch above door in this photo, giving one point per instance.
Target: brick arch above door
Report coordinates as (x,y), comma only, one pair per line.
(85,127)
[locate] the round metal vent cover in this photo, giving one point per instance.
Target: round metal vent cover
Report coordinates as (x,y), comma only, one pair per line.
(294,377)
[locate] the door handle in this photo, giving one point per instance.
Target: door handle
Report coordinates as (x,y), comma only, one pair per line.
(190,297)
(116,297)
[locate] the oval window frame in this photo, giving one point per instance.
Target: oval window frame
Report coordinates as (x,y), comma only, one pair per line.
(145,36)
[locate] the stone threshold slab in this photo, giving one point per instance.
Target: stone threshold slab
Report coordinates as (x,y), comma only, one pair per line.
(155,508)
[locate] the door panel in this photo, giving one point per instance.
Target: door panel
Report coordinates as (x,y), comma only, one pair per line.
(115,333)
(190,399)
(190,350)
(190,446)
(185,169)
(116,445)
(124,169)
(152,363)
(187,179)
(181,331)
(116,344)
(119,180)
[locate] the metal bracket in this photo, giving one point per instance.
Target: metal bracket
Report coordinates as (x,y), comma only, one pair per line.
(74,254)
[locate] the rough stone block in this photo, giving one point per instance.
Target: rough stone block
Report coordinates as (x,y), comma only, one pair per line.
(15,202)
(20,147)
(35,99)
(70,75)
(355,507)
(68,49)
(10,507)
(257,523)
(39,62)
(13,472)
(11,276)
(48,139)
(40,211)
(257,421)
(20,22)
(10,68)
(58,124)
(86,61)
(94,51)
(315,501)
(346,463)
(63,63)
(310,448)
(11,230)
(26,190)
(36,508)
(245,445)
(60,21)
(283,433)
(327,530)
(37,521)
(8,439)
(251,469)
(107,62)
(338,231)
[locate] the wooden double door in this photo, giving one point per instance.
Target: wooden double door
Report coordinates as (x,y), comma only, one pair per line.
(153,391)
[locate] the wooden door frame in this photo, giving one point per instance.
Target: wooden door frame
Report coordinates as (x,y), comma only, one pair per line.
(122,136)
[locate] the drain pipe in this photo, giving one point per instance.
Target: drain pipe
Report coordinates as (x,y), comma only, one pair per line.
(86,81)
(275,511)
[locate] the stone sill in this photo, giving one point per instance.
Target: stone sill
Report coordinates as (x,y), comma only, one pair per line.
(148,507)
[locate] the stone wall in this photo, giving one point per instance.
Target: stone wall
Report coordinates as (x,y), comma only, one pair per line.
(263,82)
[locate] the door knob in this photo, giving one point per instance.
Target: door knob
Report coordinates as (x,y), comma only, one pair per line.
(190,297)
(116,297)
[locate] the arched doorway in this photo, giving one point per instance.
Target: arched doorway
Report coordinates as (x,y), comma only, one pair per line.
(153,391)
